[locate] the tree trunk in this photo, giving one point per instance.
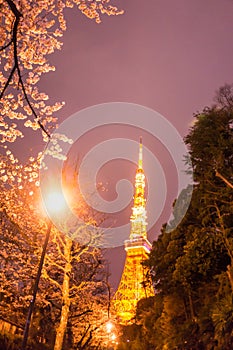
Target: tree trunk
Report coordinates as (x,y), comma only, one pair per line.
(191,304)
(61,330)
(185,309)
(230,275)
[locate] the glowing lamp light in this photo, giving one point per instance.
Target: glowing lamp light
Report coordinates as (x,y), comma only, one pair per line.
(109,326)
(55,202)
(113,337)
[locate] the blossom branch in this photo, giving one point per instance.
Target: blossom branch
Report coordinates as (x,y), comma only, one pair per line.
(16,67)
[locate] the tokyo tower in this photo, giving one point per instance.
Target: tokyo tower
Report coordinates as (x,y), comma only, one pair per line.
(133,285)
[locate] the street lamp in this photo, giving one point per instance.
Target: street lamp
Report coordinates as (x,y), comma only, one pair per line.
(109,327)
(54,203)
(111,336)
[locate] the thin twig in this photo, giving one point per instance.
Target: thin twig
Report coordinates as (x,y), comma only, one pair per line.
(8,81)
(6,46)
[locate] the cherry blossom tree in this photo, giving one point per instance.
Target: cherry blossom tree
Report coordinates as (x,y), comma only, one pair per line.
(73,292)
(74,279)
(21,233)
(29,32)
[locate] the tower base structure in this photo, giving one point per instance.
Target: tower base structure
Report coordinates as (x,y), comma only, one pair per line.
(134,281)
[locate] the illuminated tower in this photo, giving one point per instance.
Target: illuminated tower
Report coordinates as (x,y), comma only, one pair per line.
(133,285)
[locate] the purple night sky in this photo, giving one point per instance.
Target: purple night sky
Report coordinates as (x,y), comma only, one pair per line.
(167,55)
(170,56)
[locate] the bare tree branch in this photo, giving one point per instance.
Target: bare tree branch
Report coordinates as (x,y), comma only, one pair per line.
(47,277)
(224,179)
(51,262)
(81,314)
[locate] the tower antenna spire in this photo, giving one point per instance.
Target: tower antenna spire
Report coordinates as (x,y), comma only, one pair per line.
(140,154)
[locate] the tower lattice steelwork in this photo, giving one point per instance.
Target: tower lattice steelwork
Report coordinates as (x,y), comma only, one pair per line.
(133,286)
